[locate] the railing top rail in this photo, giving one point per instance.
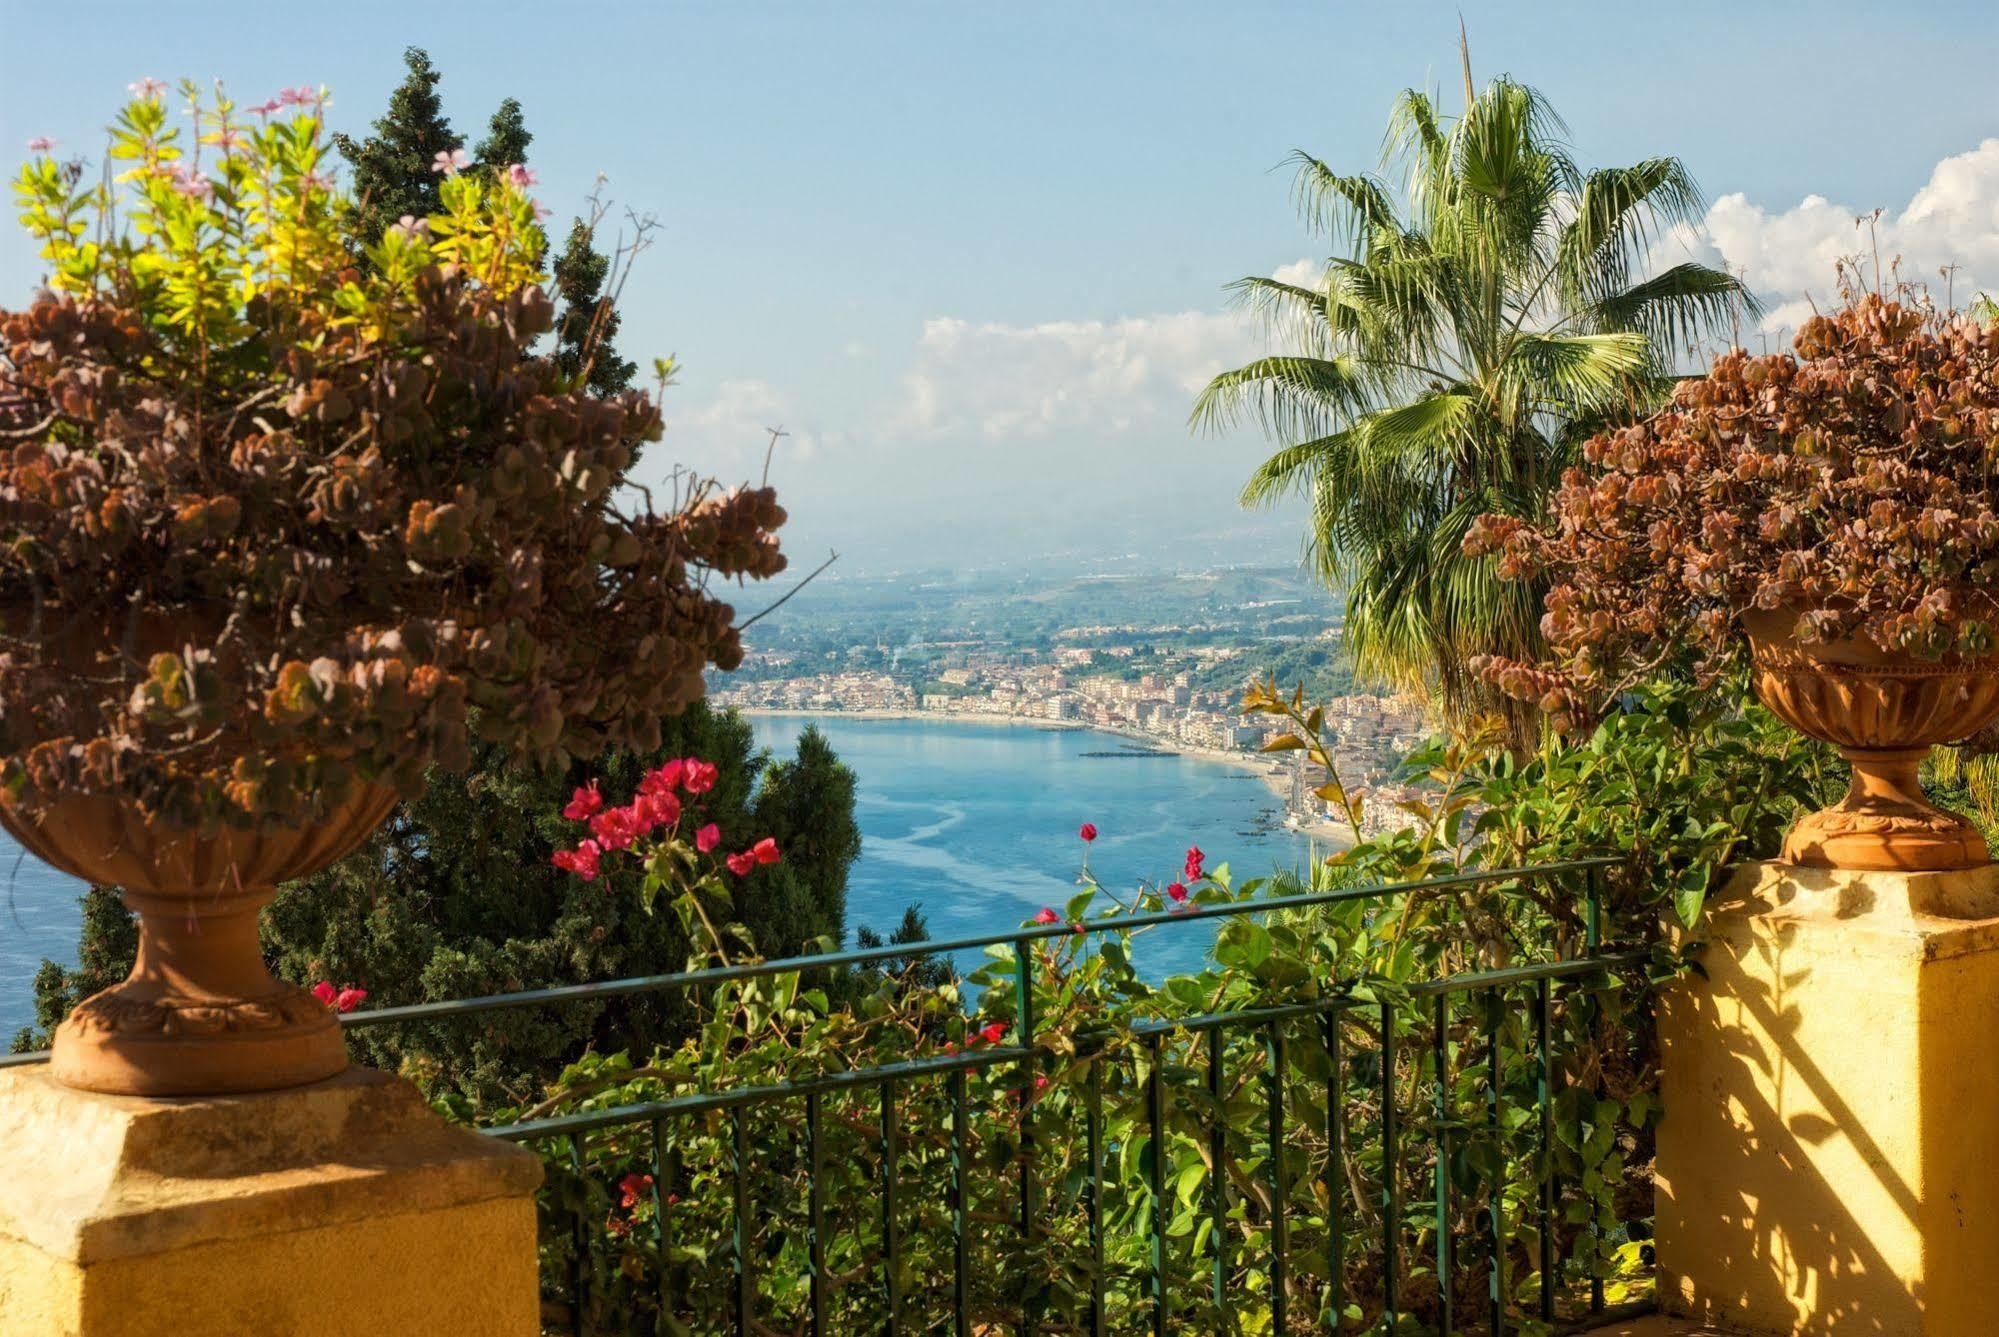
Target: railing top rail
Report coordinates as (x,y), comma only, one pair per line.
(992,1056)
(938,946)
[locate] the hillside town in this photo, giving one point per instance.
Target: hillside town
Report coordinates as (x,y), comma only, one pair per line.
(1096,688)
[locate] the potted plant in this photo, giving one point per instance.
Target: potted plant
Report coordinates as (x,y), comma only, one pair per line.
(285,519)
(1828,521)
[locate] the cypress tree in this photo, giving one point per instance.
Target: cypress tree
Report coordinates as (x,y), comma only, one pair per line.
(506,141)
(392,167)
(580,273)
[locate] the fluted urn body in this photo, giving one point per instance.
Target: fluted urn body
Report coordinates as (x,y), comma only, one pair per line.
(1884,712)
(199,1014)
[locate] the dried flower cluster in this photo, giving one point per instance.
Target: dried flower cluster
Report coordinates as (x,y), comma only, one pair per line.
(1854,483)
(312,534)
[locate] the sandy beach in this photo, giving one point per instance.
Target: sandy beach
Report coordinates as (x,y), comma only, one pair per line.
(1272,774)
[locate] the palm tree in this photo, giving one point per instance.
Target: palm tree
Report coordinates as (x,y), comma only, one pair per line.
(1450,359)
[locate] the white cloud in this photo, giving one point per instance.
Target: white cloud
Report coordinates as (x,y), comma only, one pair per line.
(1789,256)
(1304,273)
(1005,382)
(727,433)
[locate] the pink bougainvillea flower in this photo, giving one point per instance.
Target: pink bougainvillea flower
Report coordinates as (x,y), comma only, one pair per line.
(766,850)
(40,144)
(657,810)
(741,864)
(993,1032)
(349,998)
(707,838)
(950,1046)
(409,225)
(582,861)
(147,89)
(1176,891)
(617,828)
(631,1188)
(1041,1082)
(1196,864)
(700,776)
(450,161)
(521,177)
(1088,831)
(325,992)
(617,1225)
(664,778)
(585,803)
(1047,916)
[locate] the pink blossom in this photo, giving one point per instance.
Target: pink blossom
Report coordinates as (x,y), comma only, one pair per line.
(348,999)
(765,850)
(707,838)
(409,225)
(147,89)
(297,97)
(451,161)
(631,1188)
(1088,831)
(585,803)
(325,992)
(582,861)
(1176,891)
(1195,864)
(264,108)
(520,177)
(657,810)
(40,144)
(617,828)
(993,1032)
(192,184)
(541,210)
(700,776)
(741,863)
(663,778)
(1047,916)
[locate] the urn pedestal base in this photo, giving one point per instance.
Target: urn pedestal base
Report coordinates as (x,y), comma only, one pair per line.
(1826,1162)
(345,1206)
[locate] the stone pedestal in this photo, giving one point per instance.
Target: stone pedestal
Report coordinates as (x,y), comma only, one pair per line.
(1829,1157)
(344,1207)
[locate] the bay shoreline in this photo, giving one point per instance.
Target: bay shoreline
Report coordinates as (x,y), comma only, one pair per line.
(1321,831)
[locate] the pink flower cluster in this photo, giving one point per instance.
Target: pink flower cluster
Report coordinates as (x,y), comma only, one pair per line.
(344,998)
(657,807)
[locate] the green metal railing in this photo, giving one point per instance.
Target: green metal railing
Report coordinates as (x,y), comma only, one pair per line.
(562,1139)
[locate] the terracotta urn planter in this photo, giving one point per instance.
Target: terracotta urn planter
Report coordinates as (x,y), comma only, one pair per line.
(1884,712)
(199,1014)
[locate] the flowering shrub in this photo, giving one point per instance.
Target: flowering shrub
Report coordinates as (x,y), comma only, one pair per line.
(1852,483)
(274,523)
(653,830)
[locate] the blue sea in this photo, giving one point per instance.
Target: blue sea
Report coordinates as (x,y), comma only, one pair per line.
(974,822)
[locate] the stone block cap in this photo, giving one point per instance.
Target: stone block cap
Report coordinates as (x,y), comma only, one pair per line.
(141,1176)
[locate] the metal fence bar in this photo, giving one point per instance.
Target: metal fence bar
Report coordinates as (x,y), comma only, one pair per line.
(1280,1216)
(1030,1069)
(961,1318)
(1335,1164)
(815,1228)
(1495,1202)
(579,1265)
(1391,1189)
(891,1218)
(1593,943)
(1550,1183)
(1441,1067)
(664,1172)
(745,1282)
(1155,1103)
(1094,1140)
(1218,1146)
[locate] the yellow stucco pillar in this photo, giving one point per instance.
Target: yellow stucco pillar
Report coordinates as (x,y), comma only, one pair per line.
(1829,1157)
(345,1207)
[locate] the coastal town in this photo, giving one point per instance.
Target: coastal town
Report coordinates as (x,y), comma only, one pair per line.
(1164,705)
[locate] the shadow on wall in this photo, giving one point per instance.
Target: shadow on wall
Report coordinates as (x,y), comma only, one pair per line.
(1829,1160)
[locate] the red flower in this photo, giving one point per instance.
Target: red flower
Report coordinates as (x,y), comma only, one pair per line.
(1176,891)
(1047,916)
(617,1225)
(584,803)
(741,864)
(1195,860)
(993,1032)
(1088,832)
(664,778)
(707,838)
(581,861)
(348,999)
(324,992)
(765,850)
(1041,1082)
(631,1188)
(659,808)
(699,776)
(616,828)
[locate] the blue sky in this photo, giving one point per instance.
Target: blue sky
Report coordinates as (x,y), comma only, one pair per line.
(971,256)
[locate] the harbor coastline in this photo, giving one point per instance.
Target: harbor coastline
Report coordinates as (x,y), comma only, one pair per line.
(1330,835)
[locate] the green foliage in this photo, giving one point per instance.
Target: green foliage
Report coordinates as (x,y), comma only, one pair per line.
(1679,781)
(1447,359)
(392,173)
(507,139)
(588,322)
